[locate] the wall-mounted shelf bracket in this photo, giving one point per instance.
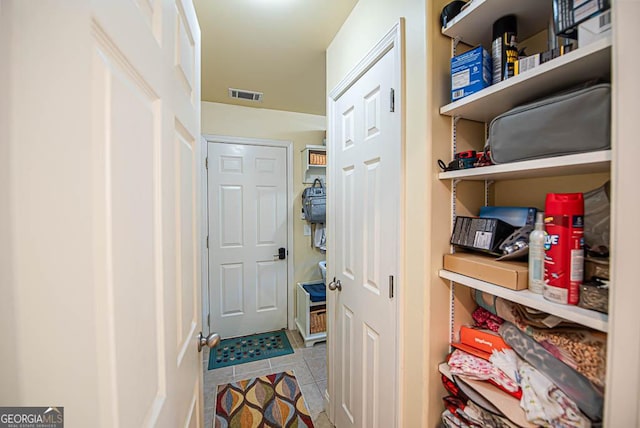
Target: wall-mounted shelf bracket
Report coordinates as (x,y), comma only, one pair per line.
(487,185)
(455,42)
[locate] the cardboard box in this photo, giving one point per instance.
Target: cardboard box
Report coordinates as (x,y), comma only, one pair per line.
(527,63)
(480,342)
(594,29)
(508,274)
(470,72)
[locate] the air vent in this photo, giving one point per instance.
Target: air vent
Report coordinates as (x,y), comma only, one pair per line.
(241,94)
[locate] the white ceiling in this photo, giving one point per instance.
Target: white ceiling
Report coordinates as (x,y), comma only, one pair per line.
(271,46)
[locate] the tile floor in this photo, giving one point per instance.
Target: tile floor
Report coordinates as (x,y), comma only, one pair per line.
(308,364)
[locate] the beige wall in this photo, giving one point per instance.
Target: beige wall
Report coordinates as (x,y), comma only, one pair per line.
(301,129)
(367,24)
(8,350)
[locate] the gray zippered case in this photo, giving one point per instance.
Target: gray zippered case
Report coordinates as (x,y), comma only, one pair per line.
(314,202)
(567,123)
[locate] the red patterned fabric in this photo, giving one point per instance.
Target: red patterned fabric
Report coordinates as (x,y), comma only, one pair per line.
(485,319)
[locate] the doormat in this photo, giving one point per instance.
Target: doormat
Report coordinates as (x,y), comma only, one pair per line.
(273,400)
(238,350)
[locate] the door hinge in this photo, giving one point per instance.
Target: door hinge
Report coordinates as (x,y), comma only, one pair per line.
(206,163)
(207,241)
(392,99)
(391,290)
(209,320)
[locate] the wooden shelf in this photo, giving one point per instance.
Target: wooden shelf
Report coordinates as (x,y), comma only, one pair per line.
(582,163)
(586,317)
(474,25)
(589,62)
(310,170)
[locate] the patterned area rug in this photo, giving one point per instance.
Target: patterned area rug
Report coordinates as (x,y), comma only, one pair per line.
(245,349)
(273,400)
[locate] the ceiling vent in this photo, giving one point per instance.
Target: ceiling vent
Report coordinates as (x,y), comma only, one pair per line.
(241,94)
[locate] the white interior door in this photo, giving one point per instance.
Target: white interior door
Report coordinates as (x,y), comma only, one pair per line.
(146,100)
(106,97)
(366,148)
(247,199)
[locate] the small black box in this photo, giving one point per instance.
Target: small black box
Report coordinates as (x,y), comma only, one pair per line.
(481,234)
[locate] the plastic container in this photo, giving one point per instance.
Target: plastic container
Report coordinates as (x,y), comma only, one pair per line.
(536,256)
(564,247)
(323,270)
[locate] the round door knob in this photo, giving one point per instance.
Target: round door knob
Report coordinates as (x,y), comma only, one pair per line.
(210,341)
(335,285)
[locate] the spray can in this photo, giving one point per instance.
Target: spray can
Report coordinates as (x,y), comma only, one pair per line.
(505,32)
(564,247)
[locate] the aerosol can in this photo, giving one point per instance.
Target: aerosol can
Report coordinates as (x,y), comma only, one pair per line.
(564,247)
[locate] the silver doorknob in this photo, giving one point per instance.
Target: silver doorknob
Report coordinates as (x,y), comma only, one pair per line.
(210,341)
(335,285)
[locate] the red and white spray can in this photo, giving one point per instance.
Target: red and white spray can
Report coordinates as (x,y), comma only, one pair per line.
(564,247)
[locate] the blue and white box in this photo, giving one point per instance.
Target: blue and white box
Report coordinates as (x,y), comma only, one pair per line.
(470,72)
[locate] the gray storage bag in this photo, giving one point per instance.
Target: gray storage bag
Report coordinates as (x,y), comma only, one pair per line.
(314,202)
(567,123)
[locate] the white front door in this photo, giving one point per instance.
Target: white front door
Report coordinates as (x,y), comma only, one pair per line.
(247,200)
(106,111)
(366,148)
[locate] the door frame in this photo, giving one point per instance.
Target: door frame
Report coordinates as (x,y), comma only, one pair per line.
(288,145)
(393,39)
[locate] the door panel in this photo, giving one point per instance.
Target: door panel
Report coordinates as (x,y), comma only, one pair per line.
(371,378)
(148,186)
(371,226)
(267,286)
(248,210)
(366,158)
(346,202)
(232,289)
(347,382)
(129,232)
(186,286)
(267,213)
(231,218)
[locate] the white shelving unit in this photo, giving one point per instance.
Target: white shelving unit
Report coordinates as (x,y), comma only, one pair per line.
(303,315)
(550,167)
(473,26)
(581,65)
(586,317)
(310,169)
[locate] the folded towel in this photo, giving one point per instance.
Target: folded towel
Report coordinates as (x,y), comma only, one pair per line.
(320,237)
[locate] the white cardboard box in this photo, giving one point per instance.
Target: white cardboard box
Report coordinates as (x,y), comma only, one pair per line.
(595,28)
